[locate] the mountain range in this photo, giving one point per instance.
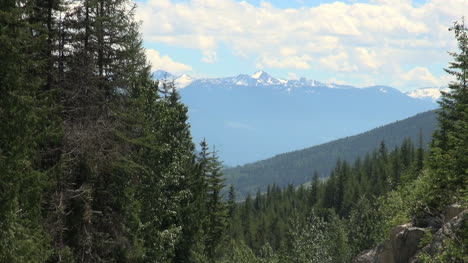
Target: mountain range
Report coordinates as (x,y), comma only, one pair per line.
(264,79)
(253,117)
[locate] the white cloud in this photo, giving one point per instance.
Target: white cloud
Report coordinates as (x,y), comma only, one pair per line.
(209,56)
(367,58)
(291,62)
(339,62)
(343,37)
(420,76)
(165,63)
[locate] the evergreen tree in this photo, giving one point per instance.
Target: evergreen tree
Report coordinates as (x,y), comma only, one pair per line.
(449,149)
(313,198)
(231,202)
(420,152)
(22,237)
(216,208)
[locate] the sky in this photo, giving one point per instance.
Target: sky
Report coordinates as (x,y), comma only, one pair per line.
(399,43)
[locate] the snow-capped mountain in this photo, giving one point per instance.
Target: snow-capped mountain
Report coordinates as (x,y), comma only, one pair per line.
(432,94)
(264,78)
(257,79)
(180,81)
(252,117)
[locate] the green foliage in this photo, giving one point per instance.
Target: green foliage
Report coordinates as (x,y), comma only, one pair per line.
(394,207)
(22,236)
(448,158)
(365,226)
(216,222)
(238,252)
(426,239)
(451,251)
(306,240)
(338,240)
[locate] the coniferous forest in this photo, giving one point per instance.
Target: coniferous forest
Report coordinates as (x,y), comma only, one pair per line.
(97,163)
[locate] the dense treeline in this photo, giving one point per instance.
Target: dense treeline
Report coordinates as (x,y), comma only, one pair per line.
(96,159)
(295,167)
(346,202)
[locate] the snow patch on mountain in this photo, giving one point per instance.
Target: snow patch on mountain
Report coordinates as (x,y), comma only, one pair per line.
(427,93)
(257,74)
(179,81)
(183,81)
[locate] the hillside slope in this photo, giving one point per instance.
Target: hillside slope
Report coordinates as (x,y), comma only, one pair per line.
(297,167)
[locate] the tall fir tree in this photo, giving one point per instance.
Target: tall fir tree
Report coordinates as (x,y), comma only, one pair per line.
(231,201)
(22,236)
(215,207)
(313,198)
(449,149)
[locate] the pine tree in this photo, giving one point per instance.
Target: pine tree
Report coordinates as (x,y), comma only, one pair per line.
(313,198)
(22,237)
(231,202)
(449,149)
(100,64)
(420,152)
(216,209)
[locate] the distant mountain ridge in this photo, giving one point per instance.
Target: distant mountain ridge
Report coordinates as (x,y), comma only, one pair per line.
(297,167)
(262,78)
(253,117)
(259,78)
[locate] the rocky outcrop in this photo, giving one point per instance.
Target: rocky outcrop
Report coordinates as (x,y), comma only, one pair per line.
(404,243)
(452,211)
(367,256)
(448,230)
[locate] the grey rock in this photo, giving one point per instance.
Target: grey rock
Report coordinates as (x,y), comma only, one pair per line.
(399,249)
(452,211)
(406,244)
(396,230)
(448,230)
(367,256)
(403,245)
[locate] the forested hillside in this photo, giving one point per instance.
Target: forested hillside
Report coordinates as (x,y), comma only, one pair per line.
(298,167)
(345,214)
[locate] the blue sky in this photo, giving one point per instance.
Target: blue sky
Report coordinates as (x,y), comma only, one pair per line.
(400,43)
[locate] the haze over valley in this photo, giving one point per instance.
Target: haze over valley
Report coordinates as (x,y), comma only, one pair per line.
(254,117)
